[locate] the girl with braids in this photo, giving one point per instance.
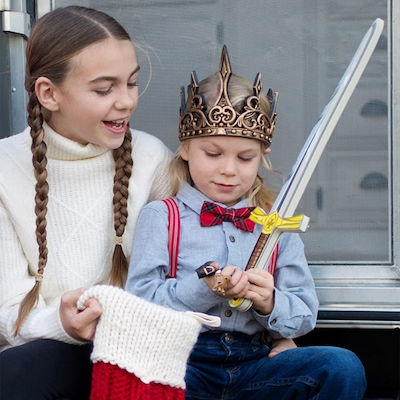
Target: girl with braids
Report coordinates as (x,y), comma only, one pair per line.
(67,222)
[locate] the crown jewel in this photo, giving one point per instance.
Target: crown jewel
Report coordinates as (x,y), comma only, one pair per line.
(222,118)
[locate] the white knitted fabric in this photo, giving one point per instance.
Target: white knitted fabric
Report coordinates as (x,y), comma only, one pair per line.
(80,224)
(148,340)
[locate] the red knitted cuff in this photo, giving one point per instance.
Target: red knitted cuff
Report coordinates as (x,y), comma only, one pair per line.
(109,382)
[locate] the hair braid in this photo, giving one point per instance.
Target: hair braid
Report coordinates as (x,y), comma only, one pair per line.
(123,171)
(39,161)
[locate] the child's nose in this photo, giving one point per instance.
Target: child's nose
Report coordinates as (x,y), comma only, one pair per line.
(228,166)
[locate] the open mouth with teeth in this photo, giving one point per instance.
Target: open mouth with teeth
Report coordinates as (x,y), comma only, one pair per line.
(118,126)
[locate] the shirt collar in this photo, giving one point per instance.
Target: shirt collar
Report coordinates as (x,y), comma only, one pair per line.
(195,199)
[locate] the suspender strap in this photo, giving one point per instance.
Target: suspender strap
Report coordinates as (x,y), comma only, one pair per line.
(272,263)
(174,227)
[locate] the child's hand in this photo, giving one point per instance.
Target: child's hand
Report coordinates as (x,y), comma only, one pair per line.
(212,280)
(239,282)
(261,290)
(234,281)
(279,345)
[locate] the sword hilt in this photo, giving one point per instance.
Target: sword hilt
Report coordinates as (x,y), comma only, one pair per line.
(240,304)
(270,222)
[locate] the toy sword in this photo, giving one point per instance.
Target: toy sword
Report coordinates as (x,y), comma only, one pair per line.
(280,217)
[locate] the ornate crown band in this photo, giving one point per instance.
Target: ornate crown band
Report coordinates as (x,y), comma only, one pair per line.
(222,118)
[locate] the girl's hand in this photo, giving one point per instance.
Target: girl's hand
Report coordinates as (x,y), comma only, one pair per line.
(261,290)
(80,325)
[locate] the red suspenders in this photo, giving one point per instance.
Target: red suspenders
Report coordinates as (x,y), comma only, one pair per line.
(174,227)
(272,262)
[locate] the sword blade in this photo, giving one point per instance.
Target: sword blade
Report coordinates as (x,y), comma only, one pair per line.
(302,170)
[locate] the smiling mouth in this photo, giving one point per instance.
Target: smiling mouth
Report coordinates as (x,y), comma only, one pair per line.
(115,124)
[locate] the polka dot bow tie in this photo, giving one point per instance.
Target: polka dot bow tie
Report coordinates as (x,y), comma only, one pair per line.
(213,214)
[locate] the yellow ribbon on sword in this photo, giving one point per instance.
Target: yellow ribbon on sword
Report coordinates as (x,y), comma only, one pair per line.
(274,221)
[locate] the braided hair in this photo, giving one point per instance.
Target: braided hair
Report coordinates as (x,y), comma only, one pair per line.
(123,171)
(48,54)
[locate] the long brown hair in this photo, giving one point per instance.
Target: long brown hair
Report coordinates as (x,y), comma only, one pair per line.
(54,40)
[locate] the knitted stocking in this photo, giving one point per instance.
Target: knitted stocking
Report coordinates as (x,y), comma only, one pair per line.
(140,349)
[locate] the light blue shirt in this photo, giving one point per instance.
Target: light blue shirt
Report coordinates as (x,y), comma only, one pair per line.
(296,303)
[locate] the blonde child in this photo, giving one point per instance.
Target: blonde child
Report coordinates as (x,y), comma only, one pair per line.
(225,128)
(67,221)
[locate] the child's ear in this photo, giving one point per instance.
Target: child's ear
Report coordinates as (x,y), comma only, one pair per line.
(46,93)
(184,150)
(267,150)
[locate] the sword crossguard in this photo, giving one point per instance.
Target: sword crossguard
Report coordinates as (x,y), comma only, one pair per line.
(270,222)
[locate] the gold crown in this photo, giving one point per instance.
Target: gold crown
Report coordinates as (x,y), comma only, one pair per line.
(222,118)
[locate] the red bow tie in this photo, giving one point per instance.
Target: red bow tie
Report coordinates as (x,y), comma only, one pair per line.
(213,214)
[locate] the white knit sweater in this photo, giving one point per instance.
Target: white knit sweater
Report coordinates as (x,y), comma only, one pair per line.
(80,233)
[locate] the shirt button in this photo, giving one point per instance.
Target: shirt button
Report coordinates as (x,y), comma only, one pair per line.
(228,338)
(273,322)
(232,238)
(228,313)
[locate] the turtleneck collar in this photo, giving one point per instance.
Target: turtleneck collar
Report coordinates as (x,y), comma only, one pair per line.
(61,148)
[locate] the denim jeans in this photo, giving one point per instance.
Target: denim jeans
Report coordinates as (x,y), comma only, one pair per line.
(229,366)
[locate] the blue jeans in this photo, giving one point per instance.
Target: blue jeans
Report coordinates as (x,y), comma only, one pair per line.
(232,366)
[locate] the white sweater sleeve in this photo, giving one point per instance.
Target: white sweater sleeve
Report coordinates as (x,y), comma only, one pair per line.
(15,282)
(161,185)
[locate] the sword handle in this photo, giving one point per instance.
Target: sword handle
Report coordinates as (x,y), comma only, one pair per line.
(240,304)
(258,248)
(272,223)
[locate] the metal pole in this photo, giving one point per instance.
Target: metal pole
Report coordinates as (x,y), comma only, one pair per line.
(15,26)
